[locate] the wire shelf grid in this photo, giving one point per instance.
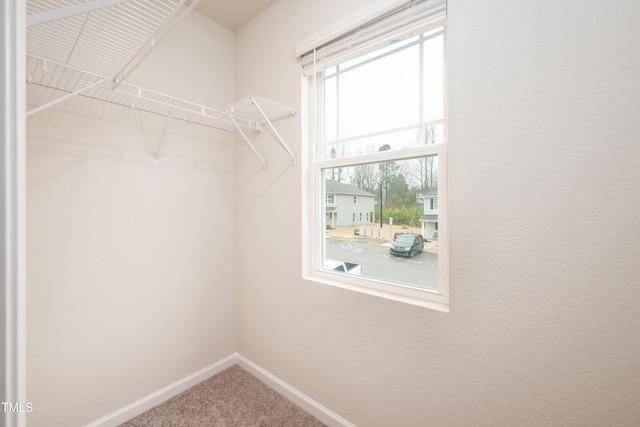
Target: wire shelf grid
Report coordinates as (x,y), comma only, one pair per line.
(88,49)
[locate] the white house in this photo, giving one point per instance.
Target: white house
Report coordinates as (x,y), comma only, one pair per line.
(347,204)
(429,218)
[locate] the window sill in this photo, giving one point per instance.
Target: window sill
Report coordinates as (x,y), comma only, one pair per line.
(419,297)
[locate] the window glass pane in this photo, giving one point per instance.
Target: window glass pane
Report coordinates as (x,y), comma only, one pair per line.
(330,109)
(392,96)
(432,133)
(379,95)
(390,232)
(370,144)
(433,73)
(388,47)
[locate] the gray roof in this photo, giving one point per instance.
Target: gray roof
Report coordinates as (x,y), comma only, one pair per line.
(336,187)
(428,194)
(429,218)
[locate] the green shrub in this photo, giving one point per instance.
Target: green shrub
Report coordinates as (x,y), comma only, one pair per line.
(403,216)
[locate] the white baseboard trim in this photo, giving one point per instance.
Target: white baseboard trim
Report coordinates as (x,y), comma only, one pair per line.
(136,408)
(294,395)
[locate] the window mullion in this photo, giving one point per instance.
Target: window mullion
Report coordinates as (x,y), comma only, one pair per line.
(421,87)
(382,156)
(338,73)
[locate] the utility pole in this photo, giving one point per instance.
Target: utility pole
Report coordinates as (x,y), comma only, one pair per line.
(380,204)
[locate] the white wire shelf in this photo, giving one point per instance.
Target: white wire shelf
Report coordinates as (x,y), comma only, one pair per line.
(260,111)
(77,82)
(108,40)
(250,108)
(251,113)
(89,47)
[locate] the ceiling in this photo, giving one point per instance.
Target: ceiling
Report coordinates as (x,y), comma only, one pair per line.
(233,14)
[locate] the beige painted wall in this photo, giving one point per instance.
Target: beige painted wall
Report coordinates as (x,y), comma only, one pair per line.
(544,322)
(131,267)
(133,270)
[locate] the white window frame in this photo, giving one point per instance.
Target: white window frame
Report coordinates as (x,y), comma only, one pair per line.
(313,231)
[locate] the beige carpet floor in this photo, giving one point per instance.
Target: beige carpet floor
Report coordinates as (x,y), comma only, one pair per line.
(232,398)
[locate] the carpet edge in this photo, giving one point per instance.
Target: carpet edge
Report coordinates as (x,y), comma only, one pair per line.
(294,395)
(136,408)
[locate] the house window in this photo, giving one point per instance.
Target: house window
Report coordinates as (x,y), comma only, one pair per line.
(355,198)
(380,127)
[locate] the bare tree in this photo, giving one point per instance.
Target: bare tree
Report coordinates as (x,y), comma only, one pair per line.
(337,174)
(428,166)
(364,176)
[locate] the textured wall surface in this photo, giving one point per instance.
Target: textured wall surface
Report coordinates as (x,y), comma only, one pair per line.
(544,207)
(134,271)
(129,285)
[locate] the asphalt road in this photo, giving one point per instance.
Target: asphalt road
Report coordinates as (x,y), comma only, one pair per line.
(377,262)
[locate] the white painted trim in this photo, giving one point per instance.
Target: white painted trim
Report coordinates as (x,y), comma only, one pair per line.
(139,406)
(12,211)
(294,395)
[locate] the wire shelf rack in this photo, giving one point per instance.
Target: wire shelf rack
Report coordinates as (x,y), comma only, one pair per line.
(108,39)
(252,108)
(88,48)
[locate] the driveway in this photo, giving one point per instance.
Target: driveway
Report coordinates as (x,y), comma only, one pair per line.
(348,233)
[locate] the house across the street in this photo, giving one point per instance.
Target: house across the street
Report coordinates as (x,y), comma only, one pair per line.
(347,204)
(429,219)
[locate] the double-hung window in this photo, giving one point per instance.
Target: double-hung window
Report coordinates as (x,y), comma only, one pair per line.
(378,140)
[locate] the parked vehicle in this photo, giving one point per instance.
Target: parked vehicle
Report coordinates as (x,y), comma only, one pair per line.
(407,244)
(342,267)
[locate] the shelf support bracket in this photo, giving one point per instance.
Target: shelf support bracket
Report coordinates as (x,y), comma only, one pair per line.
(248,141)
(67,96)
(274,131)
(153,41)
(156,157)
